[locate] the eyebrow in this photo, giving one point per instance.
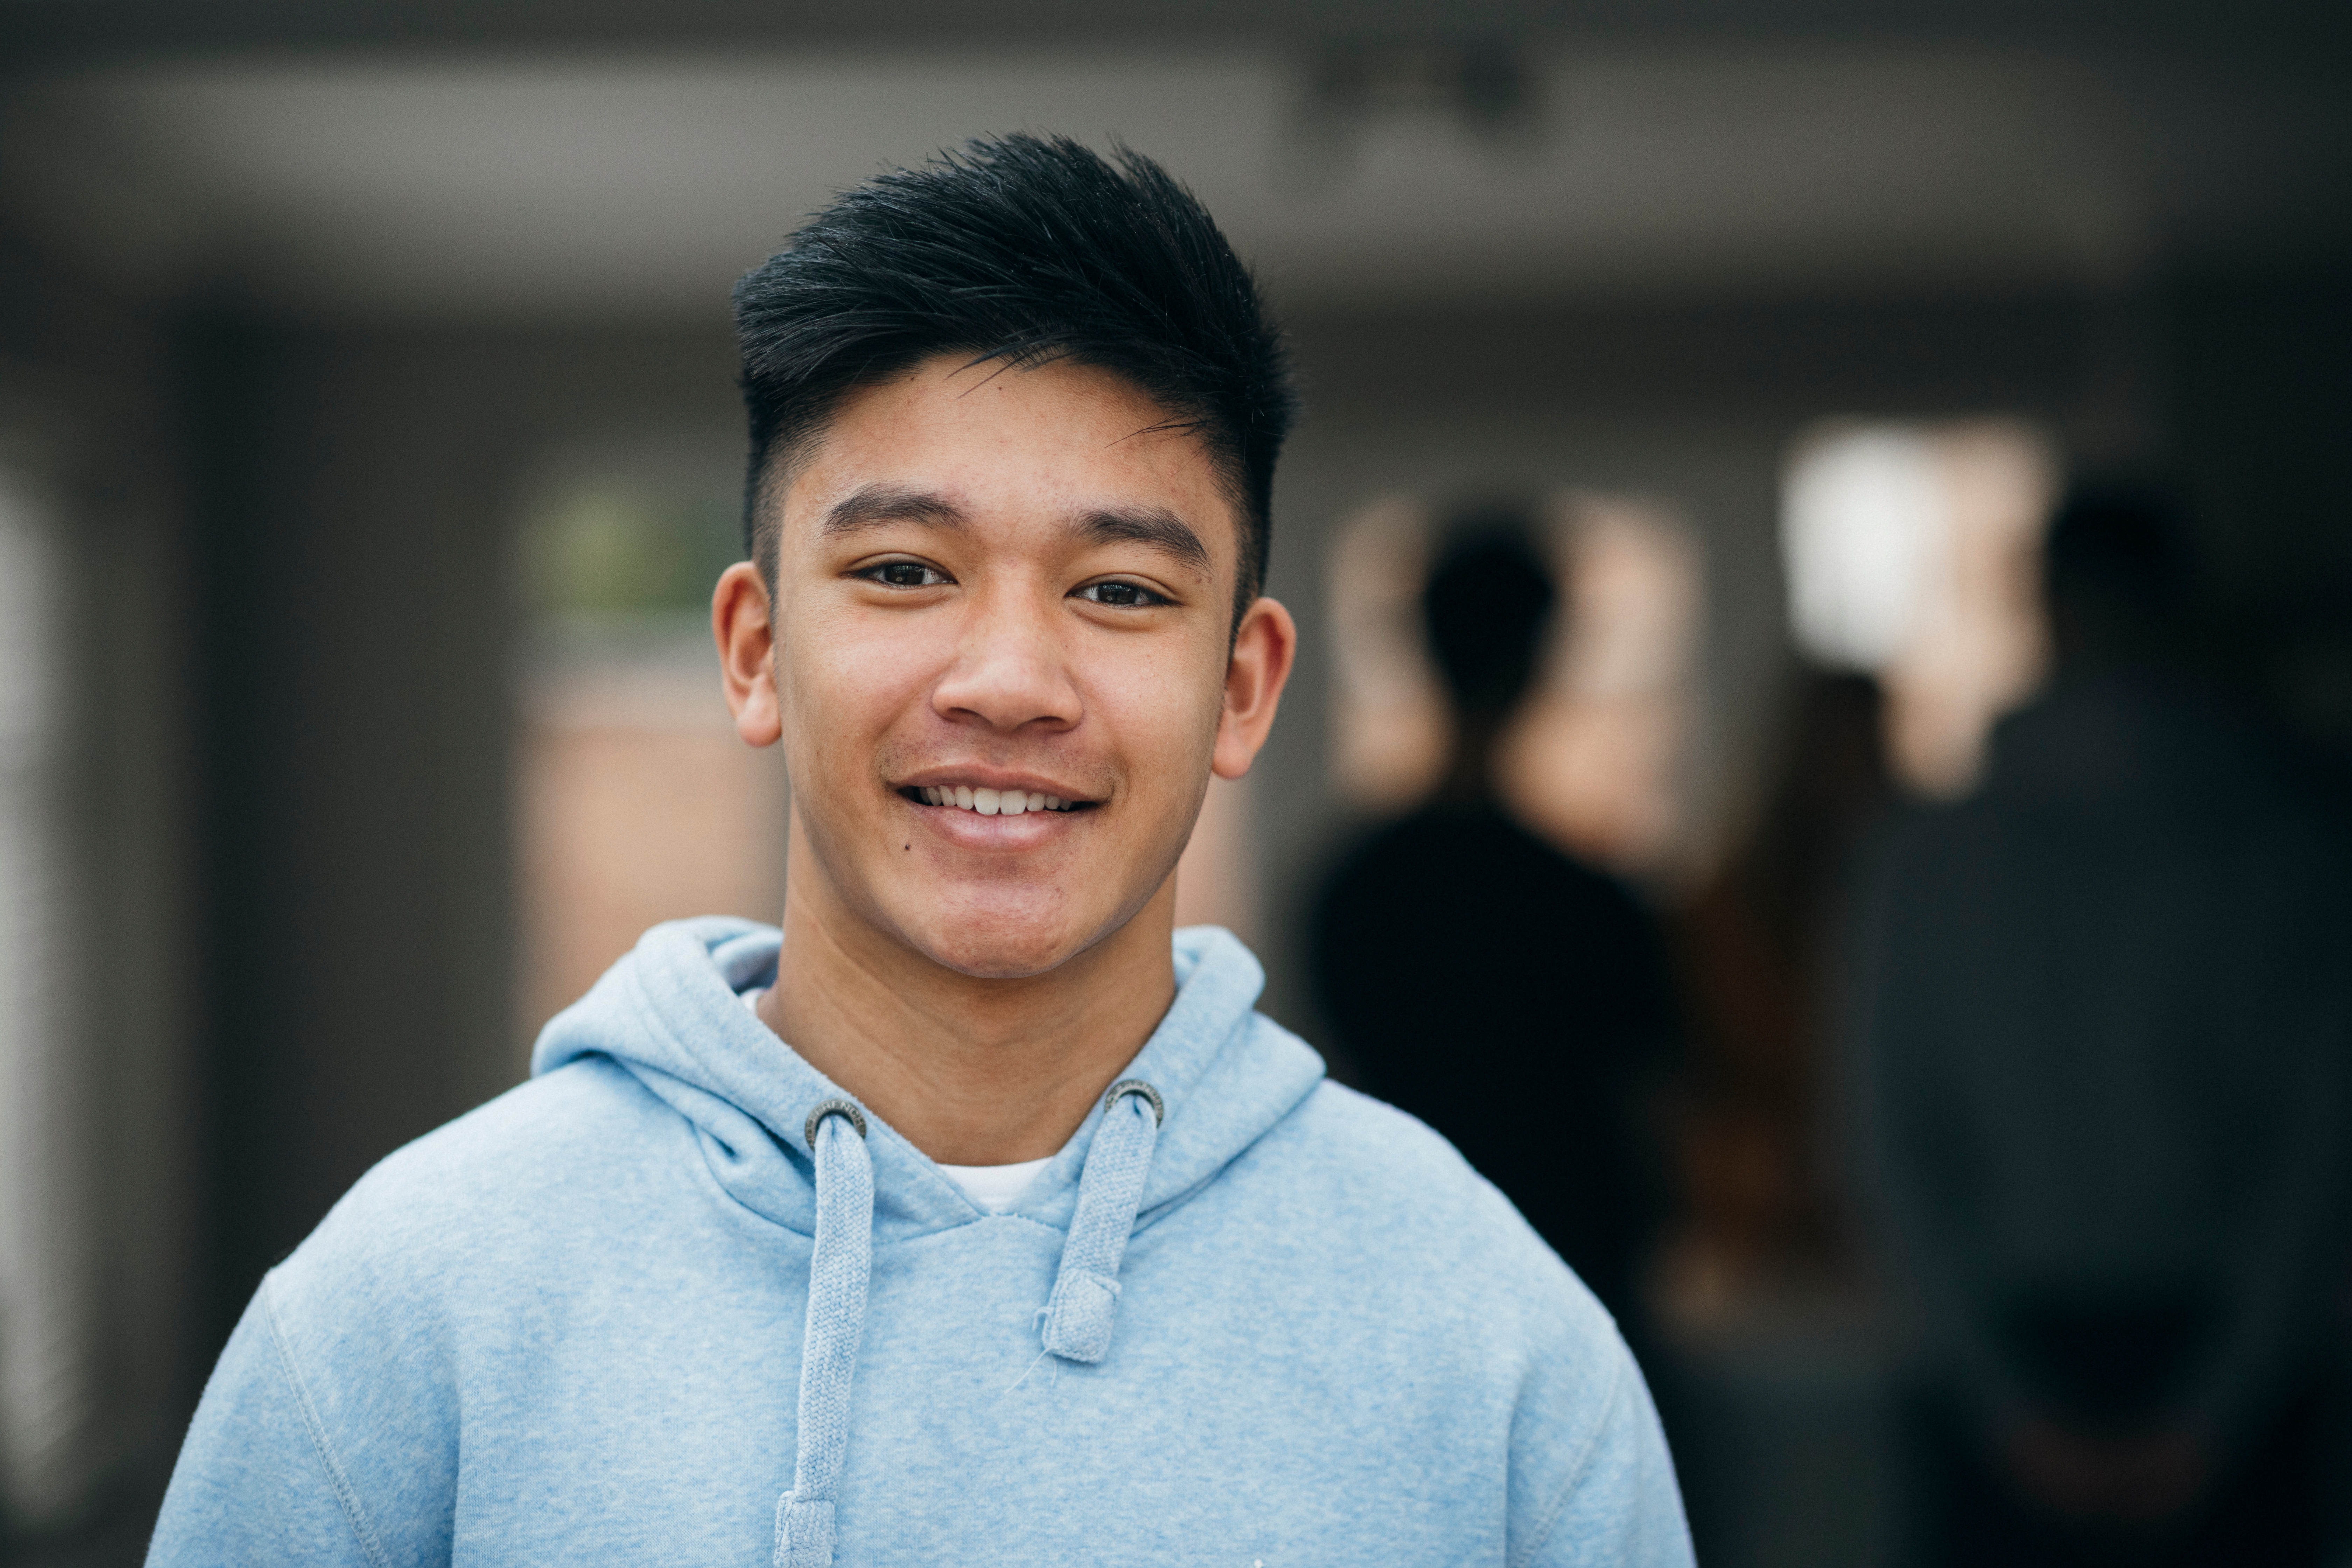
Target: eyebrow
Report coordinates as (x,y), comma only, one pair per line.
(873,505)
(1155,528)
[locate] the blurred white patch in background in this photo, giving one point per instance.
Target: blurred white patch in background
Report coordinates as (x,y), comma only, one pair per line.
(1866,525)
(1597,758)
(1912,553)
(45,1212)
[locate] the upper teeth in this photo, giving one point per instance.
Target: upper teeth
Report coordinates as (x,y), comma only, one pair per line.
(992,801)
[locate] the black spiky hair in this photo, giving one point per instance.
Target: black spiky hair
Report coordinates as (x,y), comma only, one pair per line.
(1022,250)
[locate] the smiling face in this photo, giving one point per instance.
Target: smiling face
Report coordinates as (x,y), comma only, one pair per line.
(1001,615)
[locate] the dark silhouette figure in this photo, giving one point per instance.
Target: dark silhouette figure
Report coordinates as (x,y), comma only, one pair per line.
(2103,1020)
(1481,979)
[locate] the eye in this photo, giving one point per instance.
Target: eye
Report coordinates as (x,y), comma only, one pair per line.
(904,574)
(1122,596)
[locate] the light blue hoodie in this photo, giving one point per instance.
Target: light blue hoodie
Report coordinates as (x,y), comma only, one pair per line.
(626,1314)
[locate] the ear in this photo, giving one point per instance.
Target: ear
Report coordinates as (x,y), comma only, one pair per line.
(746,649)
(1264,646)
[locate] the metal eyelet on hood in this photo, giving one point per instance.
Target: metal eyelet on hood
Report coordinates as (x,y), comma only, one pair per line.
(824,1108)
(1137,1087)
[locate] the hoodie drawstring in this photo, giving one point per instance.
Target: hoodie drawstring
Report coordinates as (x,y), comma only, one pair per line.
(839,1268)
(1077,1315)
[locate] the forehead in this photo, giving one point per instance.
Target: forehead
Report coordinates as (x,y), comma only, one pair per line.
(1056,439)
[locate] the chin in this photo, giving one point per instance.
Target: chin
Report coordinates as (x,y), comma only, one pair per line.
(1012,953)
(1004,931)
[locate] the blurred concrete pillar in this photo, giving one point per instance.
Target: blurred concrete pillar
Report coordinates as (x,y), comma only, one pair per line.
(357,579)
(352,579)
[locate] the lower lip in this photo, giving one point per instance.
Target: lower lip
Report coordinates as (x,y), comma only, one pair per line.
(971,830)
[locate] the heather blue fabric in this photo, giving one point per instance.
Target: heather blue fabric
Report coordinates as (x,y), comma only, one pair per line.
(1078,1316)
(614,1317)
(841,1266)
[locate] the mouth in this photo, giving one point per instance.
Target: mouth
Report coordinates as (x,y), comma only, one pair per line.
(983,801)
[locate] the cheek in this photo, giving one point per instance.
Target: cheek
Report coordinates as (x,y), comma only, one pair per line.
(843,677)
(1163,713)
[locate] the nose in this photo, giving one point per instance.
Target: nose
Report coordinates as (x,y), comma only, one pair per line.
(1009,672)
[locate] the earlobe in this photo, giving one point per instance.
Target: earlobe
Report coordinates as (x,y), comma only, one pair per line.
(741,625)
(1264,646)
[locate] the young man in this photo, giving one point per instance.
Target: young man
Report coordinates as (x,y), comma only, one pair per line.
(1035,1244)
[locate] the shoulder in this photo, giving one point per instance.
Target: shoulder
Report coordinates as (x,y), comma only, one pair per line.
(1384,1154)
(562,1137)
(362,1345)
(541,1171)
(1600,896)
(1379,1183)
(1429,1275)
(1368,859)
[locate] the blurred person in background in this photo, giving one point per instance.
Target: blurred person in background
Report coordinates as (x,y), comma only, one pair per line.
(1532,1021)
(2102,1017)
(1037,1244)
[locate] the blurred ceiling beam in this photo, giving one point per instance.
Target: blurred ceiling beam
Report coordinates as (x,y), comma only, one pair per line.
(45,34)
(605,159)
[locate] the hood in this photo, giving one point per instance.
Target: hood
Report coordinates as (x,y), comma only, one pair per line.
(670,1012)
(784,1140)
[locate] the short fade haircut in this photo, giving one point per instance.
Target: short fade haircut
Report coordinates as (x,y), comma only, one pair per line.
(1025,251)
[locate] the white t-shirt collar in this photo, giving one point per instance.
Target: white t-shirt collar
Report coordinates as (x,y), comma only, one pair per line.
(991,1189)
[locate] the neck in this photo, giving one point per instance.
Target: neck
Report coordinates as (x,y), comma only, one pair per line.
(971,1071)
(1470,767)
